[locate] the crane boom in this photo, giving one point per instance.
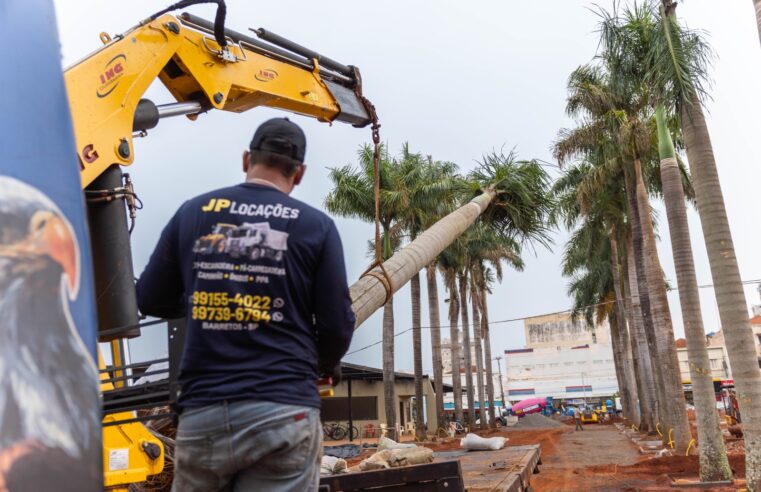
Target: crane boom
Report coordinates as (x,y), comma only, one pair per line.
(106,88)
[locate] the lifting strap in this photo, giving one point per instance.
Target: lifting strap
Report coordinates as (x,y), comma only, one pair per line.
(371,271)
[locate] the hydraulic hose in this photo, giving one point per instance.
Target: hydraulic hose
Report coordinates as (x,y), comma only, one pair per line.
(219,19)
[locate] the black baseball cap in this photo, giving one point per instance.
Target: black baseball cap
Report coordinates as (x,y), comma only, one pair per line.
(280,136)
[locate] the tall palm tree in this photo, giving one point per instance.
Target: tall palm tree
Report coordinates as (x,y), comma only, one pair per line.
(623,113)
(486,335)
(626,48)
(479,351)
(597,138)
(436,356)
(510,194)
(678,68)
(448,263)
(601,211)
(424,191)
(467,346)
(485,245)
(627,42)
(643,364)
(444,174)
(352,196)
(714,464)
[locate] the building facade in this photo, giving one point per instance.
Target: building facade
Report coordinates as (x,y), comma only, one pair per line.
(717,358)
(563,359)
(361,390)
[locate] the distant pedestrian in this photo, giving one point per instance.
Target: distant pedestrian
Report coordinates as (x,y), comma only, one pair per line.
(577,418)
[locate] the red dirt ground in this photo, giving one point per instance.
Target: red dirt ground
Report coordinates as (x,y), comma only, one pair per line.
(602,459)
(599,459)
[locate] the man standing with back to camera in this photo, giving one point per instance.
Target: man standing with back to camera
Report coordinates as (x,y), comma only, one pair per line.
(260,278)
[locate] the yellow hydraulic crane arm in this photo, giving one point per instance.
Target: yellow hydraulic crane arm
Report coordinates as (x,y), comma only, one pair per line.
(106,88)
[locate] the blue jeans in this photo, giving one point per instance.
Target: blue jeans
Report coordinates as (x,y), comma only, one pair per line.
(248,446)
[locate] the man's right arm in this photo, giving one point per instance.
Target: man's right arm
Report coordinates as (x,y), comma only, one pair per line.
(160,290)
(332,304)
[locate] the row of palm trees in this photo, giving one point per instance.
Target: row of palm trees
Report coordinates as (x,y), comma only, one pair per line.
(640,97)
(639,100)
(415,193)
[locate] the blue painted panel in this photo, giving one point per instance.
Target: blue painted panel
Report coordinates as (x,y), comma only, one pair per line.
(49,407)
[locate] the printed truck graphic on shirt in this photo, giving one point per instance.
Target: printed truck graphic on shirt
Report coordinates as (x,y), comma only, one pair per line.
(214,242)
(248,240)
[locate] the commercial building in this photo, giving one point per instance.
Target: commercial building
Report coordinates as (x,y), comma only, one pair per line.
(563,359)
(717,357)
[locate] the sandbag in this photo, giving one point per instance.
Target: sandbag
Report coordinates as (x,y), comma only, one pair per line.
(331,465)
(396,458)
(386,443)
(473,442)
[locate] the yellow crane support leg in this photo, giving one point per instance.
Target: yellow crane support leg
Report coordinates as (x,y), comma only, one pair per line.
(131,453)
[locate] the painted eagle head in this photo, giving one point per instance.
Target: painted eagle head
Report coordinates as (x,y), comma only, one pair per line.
(48,381)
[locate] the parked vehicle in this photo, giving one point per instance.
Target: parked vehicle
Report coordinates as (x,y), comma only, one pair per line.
(529,405)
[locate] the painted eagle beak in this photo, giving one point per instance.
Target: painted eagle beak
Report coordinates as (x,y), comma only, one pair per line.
(55,238)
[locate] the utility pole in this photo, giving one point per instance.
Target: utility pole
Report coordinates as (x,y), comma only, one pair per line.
(501,390)
(584,389)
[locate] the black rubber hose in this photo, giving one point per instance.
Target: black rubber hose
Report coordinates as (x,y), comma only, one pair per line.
(219,19)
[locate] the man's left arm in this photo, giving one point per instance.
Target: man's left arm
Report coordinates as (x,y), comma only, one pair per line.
(332,304)
(160,289)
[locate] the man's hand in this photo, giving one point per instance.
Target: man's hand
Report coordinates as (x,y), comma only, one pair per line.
(334,374)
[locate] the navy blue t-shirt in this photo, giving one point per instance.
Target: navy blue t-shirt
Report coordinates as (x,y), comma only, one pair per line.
(260,278)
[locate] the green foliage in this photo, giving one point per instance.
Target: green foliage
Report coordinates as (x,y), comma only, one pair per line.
(412,190)
(522,203)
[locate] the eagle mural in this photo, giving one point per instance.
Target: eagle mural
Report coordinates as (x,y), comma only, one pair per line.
(49,416)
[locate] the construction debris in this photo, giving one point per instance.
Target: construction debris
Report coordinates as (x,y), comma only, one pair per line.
(396,458)
(536,421)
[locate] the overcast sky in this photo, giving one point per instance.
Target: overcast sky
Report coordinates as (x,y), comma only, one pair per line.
(455,80)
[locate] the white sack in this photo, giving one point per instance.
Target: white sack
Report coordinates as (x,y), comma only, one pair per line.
(331,465)
(472,442)
(386,443)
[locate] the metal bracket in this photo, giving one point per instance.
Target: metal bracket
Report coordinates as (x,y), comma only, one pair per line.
(225,54)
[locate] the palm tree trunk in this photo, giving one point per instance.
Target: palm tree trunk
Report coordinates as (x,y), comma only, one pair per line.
(620,340)
(368,294)
(714,465)
(454,334)
(467,347)
(644,295)
(730,296)
(640,349)
(417,356)
(389,396)
(435,321)
(674,409)
(616,321)
(474,301)
(487,357)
